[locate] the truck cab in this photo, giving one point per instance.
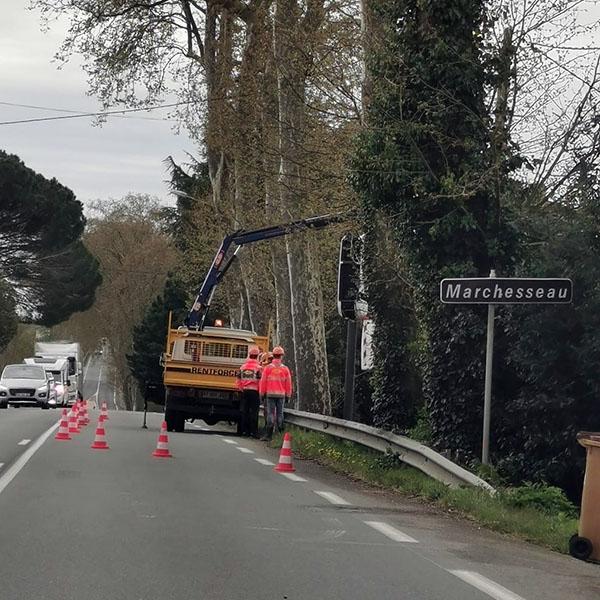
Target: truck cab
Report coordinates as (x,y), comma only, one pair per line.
(200,374)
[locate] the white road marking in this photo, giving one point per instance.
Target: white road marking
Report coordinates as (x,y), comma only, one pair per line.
(23,442)
(293,477)
(97,394)
(229,441)
(85,371)
(1,465)
(245,450)
(14,469)
(391,532)
(333,498)
(485,585)
(264,461)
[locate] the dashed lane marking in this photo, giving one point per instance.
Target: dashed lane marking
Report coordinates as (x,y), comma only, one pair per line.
(227,441)
(264,461)
(245,450)
(485,585)
(293,477)
(14,469)
(23,442)
(391,532)
(333,498)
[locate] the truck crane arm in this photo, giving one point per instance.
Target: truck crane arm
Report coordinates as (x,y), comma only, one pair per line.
(224,258)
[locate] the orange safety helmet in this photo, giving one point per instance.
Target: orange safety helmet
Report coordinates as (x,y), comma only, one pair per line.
(253,352)
(278,351)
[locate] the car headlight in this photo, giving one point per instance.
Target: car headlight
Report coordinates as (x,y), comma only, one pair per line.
(3,392)
(42,392)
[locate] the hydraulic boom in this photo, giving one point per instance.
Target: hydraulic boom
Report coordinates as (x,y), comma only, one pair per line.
(224,258)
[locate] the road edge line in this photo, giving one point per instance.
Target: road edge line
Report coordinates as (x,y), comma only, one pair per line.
(485,585)
(24,458)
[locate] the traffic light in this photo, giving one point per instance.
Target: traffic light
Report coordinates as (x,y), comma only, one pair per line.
(348,279)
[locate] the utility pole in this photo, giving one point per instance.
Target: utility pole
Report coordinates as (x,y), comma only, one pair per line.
(487,395)
(351,335)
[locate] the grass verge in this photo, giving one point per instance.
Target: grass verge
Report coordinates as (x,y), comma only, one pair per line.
(529,512)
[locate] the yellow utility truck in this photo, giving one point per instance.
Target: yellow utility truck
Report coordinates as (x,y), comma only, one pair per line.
(201,363)
(200,374)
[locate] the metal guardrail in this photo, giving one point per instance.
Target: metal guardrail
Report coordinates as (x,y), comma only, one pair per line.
(408,451)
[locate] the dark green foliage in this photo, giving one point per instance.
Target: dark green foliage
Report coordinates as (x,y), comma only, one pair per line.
(150,335)
(396,394)
(548,499)
(41,222)
(70,280)
(8,318)
(551,384)
(423,165)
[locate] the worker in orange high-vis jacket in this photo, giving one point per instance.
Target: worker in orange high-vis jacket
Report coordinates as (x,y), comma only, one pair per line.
(275,389)
(248,383)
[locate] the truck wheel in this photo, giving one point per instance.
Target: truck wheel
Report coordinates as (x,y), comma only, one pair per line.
(180,422)
(170,418)
(580,547)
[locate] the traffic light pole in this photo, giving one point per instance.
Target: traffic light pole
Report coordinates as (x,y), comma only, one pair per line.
(351,335)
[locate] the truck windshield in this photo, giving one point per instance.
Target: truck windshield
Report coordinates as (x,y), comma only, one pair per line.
(23,372)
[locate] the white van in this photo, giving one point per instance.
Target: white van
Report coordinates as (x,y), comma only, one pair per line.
(58,369)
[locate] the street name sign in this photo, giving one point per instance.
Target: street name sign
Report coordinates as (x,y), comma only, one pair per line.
(499,290)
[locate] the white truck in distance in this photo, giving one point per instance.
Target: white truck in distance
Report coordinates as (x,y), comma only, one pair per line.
(70,351)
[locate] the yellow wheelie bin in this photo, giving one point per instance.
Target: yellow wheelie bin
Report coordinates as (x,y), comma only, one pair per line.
(586,544)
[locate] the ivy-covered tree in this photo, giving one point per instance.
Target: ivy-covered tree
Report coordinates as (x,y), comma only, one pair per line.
(549,385)
(424,166)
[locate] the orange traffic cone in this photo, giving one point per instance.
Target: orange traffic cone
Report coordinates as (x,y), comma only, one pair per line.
(86,414)
(104,413)
(99,440)
(162,445)
(73,427)
(285,456)
(63,429)
(81,416)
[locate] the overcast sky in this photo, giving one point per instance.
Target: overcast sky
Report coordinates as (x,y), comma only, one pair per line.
(124,155)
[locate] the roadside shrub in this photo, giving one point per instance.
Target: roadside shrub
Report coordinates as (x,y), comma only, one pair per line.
(546,498)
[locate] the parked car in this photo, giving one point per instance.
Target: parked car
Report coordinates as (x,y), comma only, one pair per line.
(26,385)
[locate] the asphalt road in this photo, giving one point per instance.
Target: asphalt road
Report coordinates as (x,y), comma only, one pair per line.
(217,523)
(97,382)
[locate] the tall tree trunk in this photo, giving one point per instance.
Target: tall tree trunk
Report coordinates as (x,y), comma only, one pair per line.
(292,37)
(283,334)
(218,66)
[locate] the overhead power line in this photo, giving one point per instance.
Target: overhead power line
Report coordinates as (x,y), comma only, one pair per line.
(93,114)
(74,112)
